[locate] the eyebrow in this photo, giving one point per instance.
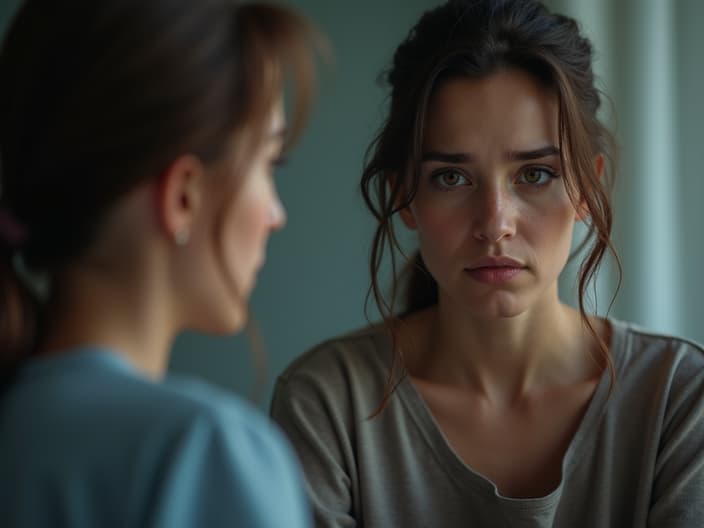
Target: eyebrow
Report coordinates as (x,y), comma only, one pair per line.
(447,157)
(526,155)
(513,155)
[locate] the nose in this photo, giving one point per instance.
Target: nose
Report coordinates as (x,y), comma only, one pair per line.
(495,214)
(277,213)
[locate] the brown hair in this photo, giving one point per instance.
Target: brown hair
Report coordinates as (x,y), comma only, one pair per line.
(99,96)
(475,38)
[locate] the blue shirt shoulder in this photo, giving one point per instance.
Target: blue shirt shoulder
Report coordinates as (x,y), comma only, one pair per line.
(87,441)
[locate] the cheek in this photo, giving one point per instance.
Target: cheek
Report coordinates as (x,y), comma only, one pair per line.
(551,229)
(440,223)
(249,218)
(442,231)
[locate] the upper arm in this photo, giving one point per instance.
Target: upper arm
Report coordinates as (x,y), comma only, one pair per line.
(678,488)
(320,436)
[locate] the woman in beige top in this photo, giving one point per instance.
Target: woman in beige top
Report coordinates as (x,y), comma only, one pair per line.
(483,400)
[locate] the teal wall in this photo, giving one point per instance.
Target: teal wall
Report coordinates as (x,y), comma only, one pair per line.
(7,9)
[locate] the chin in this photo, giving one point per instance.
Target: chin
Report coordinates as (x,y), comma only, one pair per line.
(225,330)
(236,324)
(222,321)
(498,313)
(501,305)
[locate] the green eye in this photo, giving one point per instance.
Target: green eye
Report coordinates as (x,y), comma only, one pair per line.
(449,178)
(536,176)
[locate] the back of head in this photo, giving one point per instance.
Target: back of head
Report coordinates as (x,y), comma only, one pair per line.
(97,96)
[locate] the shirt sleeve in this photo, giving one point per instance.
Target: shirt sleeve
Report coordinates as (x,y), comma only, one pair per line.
(678,488)
(222,472)
(319,436)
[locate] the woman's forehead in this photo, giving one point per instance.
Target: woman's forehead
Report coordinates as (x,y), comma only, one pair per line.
(507,107)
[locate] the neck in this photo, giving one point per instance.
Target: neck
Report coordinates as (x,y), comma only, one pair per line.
(503,359)
(103,306)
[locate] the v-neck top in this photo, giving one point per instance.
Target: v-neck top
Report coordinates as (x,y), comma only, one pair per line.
(636,459)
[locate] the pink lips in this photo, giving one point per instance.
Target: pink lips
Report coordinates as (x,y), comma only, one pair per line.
(494,270)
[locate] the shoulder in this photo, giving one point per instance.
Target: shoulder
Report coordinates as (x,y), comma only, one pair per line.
(363,352)
(660,393)
(229,457)
(653,366)
(168,409)
(222,417)
(635,346)
(194,424)
(340,379)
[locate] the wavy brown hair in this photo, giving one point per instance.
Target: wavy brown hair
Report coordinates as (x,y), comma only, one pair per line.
(98,96)
(473,39)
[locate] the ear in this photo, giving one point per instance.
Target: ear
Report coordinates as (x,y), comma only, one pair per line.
(406,213)
(180,196)
(408,219)
(582,211)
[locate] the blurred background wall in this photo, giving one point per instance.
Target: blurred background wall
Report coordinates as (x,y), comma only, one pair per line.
(649,61)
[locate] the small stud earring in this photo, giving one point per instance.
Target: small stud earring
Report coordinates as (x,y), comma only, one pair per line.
(182,237)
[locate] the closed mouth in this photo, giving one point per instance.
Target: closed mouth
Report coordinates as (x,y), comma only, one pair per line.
(495,262)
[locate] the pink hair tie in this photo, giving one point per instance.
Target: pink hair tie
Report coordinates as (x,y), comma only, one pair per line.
(12,232)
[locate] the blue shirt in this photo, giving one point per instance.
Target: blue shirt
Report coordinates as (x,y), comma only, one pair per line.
(85,440)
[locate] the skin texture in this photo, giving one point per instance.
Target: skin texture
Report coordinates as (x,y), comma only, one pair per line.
(137,287)
(503,365)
